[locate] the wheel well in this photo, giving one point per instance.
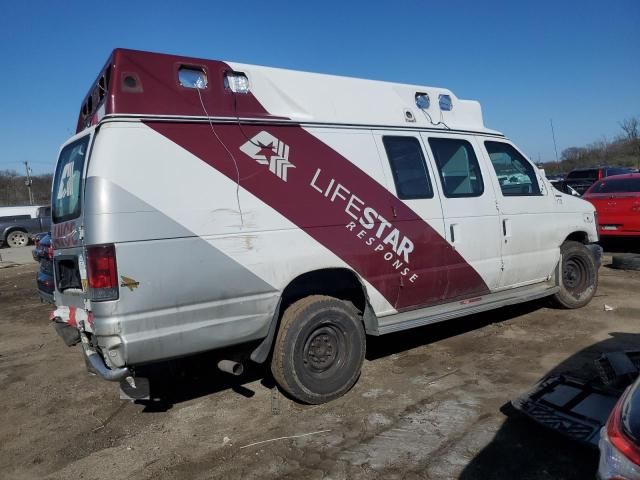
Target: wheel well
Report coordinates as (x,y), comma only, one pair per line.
(581,237)
(335,282)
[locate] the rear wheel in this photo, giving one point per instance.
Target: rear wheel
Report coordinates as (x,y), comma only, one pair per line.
(579,276)
(319,349)
(17,238)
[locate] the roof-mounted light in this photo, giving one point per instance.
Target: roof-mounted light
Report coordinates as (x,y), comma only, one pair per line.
(445,102)
(422,100)
(237,82)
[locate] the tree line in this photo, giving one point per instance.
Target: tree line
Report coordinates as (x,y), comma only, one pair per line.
(622,151)
(14,191)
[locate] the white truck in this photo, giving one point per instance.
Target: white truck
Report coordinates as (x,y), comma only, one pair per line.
(207,204)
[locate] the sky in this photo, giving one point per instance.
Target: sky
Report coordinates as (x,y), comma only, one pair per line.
(576,62)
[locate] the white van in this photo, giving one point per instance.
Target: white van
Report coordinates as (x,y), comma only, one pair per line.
(206,204)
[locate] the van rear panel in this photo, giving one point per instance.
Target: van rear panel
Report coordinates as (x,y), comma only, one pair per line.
(177,294)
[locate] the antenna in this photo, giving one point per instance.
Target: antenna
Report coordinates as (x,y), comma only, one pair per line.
(553,134)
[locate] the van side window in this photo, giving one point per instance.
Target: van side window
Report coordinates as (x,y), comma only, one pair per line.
(408,167)
(458,167)
(515,174)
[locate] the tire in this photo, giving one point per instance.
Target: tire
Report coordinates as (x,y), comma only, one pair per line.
(17,238)
(579,280)
(319,349)
(628,261)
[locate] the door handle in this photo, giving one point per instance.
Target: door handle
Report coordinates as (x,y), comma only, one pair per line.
(455,233)
(506,228)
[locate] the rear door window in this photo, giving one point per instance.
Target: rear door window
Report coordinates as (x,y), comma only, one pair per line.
(68,180)
(458,167)
(622,185)
(408,167)
(515,174)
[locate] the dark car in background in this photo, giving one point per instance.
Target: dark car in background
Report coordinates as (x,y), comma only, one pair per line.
(43,254)
(617,202)
(620,438)
(580,179)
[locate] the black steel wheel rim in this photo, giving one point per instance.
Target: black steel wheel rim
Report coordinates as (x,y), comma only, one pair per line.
(575,275)
(324,349)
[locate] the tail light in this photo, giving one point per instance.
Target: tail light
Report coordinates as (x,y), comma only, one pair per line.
(102,276)
(617,436)
(50,252)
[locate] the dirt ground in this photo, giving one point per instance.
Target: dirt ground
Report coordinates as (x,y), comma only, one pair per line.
(426,406)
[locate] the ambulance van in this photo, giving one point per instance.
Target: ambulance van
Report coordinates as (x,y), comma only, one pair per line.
(207,204)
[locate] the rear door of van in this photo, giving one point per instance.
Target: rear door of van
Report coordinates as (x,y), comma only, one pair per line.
(67,221)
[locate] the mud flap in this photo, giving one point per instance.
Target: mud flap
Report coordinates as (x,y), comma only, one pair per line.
(596,250)
(135,388)
(69,334)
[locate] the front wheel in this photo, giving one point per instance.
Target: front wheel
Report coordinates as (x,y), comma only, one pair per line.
(319,349)
(579,279)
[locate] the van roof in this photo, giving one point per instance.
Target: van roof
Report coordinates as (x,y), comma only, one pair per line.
(147,84)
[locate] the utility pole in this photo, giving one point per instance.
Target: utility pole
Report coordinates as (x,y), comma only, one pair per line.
(28,182)
(553,134)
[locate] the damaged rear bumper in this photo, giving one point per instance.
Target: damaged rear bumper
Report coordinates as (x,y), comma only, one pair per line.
(68,323)
(98,366)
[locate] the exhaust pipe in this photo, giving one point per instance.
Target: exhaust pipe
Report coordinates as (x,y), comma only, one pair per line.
(229,366)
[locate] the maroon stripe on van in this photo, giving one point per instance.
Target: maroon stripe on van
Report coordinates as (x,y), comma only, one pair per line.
(314,186)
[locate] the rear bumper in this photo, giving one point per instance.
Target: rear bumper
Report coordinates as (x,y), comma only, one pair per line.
(66,322)
(97,365)
(618,233)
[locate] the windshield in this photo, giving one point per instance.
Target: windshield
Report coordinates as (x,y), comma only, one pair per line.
(65,196)
(621,185)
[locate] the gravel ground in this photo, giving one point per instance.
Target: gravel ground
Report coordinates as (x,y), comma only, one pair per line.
(10,257)
(426,406)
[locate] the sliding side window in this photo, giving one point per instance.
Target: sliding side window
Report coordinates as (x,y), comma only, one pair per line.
(408,167)
(458,167)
